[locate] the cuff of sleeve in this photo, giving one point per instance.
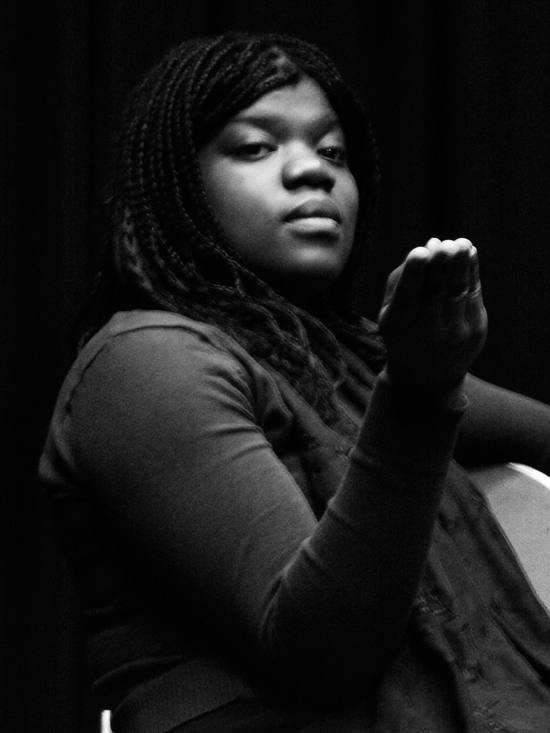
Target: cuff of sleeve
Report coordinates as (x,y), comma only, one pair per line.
(406,431)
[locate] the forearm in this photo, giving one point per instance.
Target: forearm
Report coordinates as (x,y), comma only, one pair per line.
(344,603)
(502,426)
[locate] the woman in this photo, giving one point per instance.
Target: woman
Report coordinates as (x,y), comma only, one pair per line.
(268,529)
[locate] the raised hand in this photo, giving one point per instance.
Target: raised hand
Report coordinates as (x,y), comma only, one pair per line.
(433,319)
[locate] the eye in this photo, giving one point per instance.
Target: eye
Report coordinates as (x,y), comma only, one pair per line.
(252,150)
(334,153)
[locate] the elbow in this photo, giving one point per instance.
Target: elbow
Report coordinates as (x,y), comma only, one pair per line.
(325,672)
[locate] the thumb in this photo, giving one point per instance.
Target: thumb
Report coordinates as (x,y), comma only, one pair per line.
(404,288)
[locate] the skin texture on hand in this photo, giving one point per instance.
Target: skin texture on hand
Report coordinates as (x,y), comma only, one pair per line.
(432,319)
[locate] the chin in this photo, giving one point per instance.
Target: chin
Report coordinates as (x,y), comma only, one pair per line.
(304,288)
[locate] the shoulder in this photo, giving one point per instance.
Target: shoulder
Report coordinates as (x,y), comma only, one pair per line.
(159,327)
(151,354)
(150,379)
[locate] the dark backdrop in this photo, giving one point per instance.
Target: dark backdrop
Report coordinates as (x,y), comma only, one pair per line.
(459,96)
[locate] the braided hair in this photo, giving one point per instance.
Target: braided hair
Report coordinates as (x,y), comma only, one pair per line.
(164,247)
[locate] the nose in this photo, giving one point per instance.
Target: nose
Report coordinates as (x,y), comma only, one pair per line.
(304,167)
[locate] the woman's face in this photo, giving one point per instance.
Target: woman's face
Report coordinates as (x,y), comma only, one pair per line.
(278,181)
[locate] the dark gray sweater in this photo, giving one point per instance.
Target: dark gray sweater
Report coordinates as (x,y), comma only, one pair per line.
(228,544)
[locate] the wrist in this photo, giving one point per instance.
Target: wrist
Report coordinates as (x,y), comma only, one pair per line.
(447,394)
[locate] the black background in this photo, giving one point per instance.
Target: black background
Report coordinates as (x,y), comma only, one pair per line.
(459,96)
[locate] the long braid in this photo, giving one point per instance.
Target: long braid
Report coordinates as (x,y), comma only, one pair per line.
(165,248)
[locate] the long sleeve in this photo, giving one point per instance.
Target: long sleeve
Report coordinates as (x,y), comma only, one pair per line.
(502,426)
(169,442)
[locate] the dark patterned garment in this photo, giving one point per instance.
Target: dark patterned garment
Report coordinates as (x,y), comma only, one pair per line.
(245,567)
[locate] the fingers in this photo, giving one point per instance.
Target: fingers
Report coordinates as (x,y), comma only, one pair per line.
(449,265)
(405,288)
(450,277)
(475,309)
(459,277)
(441,279)
(474,284)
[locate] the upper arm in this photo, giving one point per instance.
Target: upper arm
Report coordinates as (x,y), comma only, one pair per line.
(169,441)
(502,426)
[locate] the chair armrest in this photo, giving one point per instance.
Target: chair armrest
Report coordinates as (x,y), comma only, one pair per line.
(519,497)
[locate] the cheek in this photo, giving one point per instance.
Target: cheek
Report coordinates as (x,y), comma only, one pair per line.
(228,196)
(240,209)
(352,205)
(353,196)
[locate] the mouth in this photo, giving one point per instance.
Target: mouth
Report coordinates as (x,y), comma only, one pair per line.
(316,210)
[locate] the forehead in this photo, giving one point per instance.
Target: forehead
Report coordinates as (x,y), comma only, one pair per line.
(303,102)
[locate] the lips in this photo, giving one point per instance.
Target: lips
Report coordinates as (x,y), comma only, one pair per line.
(315,208)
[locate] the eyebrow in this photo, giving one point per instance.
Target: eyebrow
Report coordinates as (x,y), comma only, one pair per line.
(275,121)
